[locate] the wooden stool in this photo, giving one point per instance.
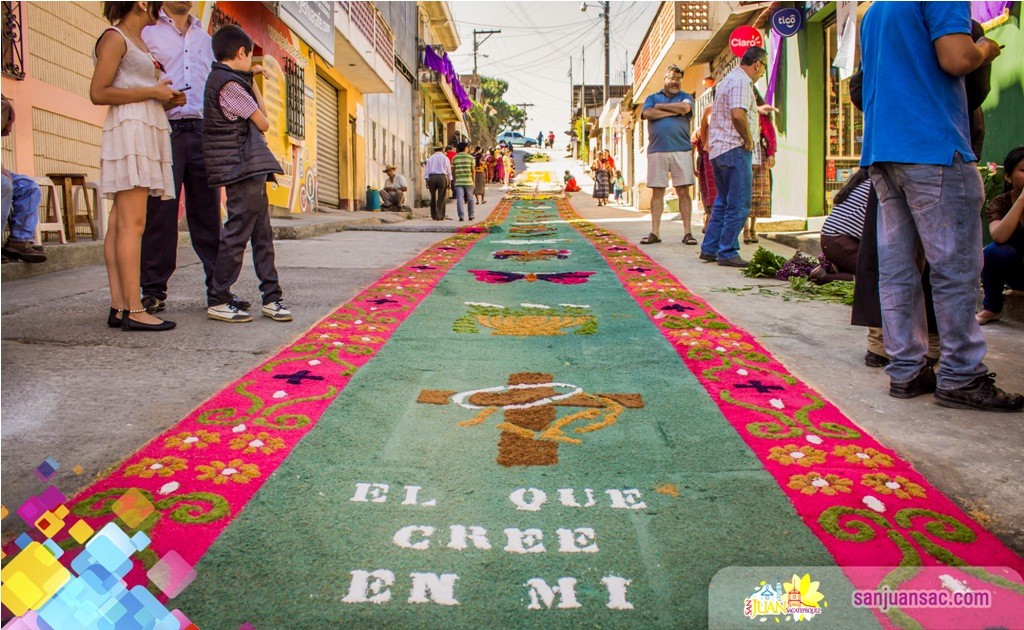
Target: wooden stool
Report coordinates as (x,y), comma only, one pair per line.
(50,211)
(67,182)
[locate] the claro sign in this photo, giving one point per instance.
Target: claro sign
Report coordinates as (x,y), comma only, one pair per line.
(743,38)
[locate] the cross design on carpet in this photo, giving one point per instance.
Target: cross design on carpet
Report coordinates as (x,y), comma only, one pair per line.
(297,378)
(759,386)
(531,432)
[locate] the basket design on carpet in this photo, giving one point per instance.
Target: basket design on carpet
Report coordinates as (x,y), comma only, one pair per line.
(531,431)
(864,502)
(527,255)
(529,320)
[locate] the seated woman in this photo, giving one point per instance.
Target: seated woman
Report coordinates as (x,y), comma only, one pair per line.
(570,183)
(1004,256)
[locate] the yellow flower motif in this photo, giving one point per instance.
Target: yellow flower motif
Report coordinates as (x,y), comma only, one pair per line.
(814,482)
(810,596)
(235,470)
(791,454)
(149,467)
(898,485)
(189,439)
(867,457)
(262,442)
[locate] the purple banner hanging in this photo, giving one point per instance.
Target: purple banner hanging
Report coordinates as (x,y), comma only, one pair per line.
(431,60)
(775,46)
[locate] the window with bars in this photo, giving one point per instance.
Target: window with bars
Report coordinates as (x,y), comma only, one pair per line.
(295,98)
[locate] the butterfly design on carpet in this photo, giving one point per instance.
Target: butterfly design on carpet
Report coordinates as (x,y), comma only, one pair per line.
(504,277)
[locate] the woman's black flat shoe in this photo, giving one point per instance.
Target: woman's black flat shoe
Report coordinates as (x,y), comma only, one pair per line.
(127,323)
(113,320)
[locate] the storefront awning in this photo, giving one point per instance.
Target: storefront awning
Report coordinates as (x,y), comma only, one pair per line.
(720,39)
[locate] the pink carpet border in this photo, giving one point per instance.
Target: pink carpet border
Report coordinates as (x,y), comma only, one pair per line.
(189,516)
(893,516)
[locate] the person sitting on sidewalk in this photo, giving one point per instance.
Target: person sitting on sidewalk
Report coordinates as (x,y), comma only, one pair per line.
(570,183)
(1004,256)
(21,197)
(392,193)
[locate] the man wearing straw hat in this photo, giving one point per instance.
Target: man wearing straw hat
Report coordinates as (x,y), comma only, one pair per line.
(392,194)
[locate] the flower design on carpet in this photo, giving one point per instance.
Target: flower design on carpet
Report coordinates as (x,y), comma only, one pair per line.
(526,255)
(899,486)
(235,470)
(814,482)
(504,277)
(867,457)
(149,467)
(790,454)
(192,439)
(530,320)
(249,443)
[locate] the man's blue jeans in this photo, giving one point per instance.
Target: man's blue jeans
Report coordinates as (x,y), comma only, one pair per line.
(21,207)
(938,209)
(1004,264)
(464,195)
(734,177)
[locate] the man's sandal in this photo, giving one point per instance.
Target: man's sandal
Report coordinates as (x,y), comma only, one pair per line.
(650,239)
(689,240)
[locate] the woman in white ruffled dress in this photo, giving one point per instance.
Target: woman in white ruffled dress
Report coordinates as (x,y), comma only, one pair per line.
(135,150)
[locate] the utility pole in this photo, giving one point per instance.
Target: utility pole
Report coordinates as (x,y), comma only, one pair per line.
(524,106)
(476,44)
(572,112)
(607,28)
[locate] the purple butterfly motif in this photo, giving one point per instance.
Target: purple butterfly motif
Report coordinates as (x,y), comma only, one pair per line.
(504,277)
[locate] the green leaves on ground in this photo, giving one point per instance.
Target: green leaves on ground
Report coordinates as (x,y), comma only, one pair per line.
(800,289)
(764,264)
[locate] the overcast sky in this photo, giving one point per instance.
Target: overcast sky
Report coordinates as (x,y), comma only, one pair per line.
(536,42)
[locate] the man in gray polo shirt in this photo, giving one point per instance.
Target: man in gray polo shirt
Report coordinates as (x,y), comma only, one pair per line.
(669,153)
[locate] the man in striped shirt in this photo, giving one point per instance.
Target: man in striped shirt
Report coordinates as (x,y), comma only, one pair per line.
(841,232)
(463,164)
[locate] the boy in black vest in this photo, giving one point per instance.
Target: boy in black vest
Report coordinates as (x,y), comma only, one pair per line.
(237,158)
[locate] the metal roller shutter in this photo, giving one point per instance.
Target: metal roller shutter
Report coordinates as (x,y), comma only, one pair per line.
(327,145)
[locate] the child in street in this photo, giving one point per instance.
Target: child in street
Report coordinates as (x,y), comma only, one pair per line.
(618,186)
(237,157)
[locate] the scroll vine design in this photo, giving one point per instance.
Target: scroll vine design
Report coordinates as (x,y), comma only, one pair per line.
(259,414)
(859,528)
(785,427)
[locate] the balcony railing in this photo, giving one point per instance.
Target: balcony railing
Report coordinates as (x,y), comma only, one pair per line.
(370,23)
(671,17)
(14,60)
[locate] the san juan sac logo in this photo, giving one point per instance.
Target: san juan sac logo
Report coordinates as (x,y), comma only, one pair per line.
(796,600)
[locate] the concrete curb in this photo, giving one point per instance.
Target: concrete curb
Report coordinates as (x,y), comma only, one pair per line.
(805,242)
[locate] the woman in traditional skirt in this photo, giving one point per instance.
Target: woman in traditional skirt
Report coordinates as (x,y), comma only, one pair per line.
(480,176)
(705,172)
(602,179)
(761,194)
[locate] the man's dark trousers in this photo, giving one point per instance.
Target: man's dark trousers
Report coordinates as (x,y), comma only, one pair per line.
(437,183)
(202,211)
(248,219)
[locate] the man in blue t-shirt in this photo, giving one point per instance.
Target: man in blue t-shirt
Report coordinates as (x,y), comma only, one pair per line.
(668,114)
(917,145)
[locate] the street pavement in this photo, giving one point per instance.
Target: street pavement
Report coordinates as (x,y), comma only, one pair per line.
(86,395)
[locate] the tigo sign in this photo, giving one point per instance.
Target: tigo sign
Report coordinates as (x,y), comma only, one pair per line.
(787,22)
(743,38)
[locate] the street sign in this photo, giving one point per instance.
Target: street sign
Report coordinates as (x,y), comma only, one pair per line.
(787,22)
(743,38)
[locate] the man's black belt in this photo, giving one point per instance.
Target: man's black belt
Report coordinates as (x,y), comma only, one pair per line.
(187,124)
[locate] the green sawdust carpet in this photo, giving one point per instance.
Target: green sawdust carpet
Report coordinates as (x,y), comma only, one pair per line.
(423,497)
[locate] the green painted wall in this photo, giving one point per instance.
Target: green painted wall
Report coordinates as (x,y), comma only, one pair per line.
(1004,108)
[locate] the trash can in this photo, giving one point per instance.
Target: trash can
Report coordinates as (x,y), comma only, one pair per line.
(372,199)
